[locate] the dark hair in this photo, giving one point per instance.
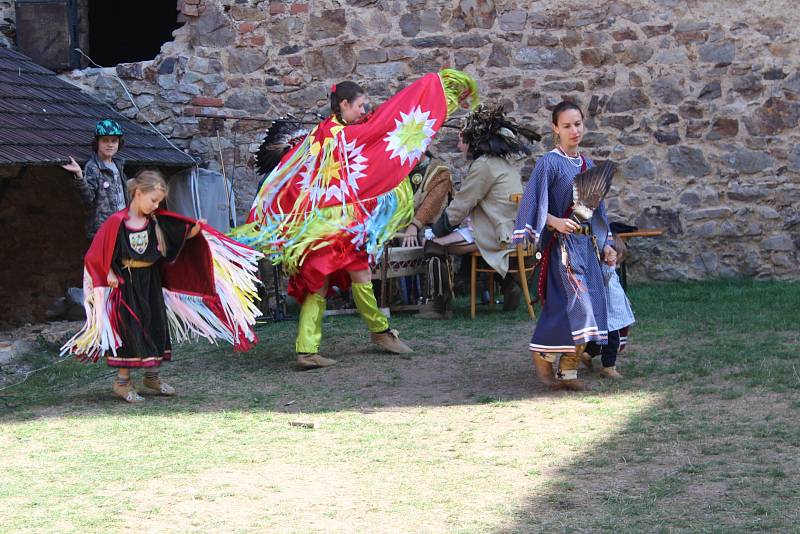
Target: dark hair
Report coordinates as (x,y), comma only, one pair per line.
(563,106)
(344,91)
(95,145)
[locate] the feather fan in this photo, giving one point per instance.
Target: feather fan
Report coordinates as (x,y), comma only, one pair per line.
(589,188)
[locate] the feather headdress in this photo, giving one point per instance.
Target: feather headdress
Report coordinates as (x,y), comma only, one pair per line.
(282,135)
(487,130)
(589,188)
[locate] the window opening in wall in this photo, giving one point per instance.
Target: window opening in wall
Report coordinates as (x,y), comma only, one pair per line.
(126,31)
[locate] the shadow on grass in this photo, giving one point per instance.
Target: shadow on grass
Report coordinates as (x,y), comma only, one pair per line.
(717,451)
(714,451)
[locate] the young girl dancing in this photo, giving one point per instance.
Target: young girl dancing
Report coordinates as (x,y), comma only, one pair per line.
(149,274)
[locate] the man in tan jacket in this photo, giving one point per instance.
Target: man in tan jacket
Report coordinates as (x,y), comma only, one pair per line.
(481,215)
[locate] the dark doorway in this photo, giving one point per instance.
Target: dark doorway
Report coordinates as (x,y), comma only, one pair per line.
(125,31)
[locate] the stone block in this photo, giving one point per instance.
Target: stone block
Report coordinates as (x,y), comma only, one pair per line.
(746,161)
(245,61)
(434,41)
(626,34)
(718,212)
(410,24)
(594,57)
(213,29)
(638,168)
(686,161)
(499,56)
(372,55)
(654,30)
(513,20)
(749,85)
(537,58)
(326,23)
(710,91)
(668,137)
(626,100)
(250,100)
(388,71)
(668,91)
(470,40)
(723,127)
(773,117)
(778,243)
(636,54)
(620,122)
(719,53)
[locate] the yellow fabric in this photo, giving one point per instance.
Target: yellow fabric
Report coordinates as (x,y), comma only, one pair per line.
(367,306)
(309,330)
(568,366)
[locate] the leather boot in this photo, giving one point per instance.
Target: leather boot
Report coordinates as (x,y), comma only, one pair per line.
(306,362)
(390,341)
(610,372)
(511,293)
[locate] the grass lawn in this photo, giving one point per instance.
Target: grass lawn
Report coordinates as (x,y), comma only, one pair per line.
(702,435)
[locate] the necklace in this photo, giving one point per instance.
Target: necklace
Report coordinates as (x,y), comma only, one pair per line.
(571,159)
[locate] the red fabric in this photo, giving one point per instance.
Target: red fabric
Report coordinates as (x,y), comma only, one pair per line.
(332,261)
(383,172)
(192,272)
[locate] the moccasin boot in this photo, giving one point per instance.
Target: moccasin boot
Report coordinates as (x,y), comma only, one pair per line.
(306,362)
(390,341)
(158,386)
(127,392)
(544,369)
(610,372)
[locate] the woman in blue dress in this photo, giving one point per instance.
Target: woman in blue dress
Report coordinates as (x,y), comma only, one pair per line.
(571,280)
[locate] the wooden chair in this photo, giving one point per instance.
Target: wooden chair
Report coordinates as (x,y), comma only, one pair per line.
(517,256)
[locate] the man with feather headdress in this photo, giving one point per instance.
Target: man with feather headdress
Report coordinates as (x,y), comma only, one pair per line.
(481,215)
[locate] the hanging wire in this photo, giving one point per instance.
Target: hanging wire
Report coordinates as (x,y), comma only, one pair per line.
(130,98)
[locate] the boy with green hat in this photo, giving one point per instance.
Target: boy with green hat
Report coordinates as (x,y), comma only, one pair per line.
(102,183)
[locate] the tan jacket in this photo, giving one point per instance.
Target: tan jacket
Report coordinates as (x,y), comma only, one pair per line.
(484,197)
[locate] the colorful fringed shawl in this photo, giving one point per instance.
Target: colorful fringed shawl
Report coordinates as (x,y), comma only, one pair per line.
(344,185)
(209,291)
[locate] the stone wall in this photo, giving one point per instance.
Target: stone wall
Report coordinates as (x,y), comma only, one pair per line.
(698,101)
(7,30)
(43,241)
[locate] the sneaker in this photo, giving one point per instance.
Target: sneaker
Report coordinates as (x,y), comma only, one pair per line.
(306,362)
(127,392)
(159,386)
(390,341)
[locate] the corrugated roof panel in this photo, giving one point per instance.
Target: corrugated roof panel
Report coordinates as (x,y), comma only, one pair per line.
(44,119)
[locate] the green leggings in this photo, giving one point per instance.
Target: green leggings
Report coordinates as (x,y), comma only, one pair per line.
(309,332)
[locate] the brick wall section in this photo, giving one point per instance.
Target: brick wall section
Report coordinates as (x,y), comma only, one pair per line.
(698,101)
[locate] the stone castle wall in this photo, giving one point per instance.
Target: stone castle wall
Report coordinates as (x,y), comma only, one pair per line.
(699,101)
